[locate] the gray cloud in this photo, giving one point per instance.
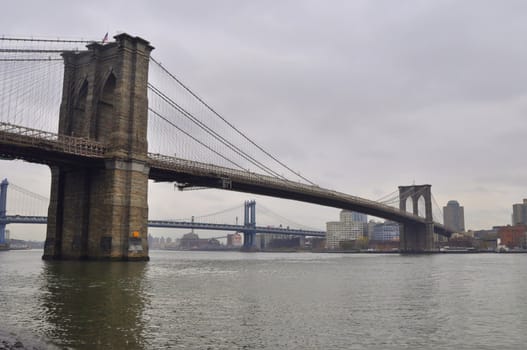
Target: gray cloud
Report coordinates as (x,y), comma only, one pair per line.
(359,96)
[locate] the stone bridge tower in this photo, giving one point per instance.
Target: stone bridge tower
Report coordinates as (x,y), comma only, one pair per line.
(100,210)
(417,238)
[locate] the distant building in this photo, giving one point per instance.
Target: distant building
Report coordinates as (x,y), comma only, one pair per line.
(485,240)
(486,234)
(347,229)
(359,217)
(519,213)
(386,231)
(278,241)
(513,236)
(454,216)
(189,240)
(234,240)
(192,241)
(317,243)
(460,240)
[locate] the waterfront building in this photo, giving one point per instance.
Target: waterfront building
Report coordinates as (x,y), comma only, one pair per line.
(278,241)
(192,241)
(359,217)
(317,243)
(488,234)
(347,229)
(189,240)
(334,234)
(234,240)
(519,213)
(460,240)
(513,236)
(386,231)
(454,216)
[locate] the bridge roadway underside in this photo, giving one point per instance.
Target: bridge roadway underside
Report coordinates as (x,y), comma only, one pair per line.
(239,185)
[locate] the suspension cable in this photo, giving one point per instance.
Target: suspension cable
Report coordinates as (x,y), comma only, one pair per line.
(228,123)
(48,40)
(280,217)
(195,139)
(28,193)
(213,133)
(238,207)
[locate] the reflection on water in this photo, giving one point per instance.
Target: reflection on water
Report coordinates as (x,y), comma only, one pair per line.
(215,300)
(91,305)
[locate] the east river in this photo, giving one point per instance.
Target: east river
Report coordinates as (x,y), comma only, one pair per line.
(222,300)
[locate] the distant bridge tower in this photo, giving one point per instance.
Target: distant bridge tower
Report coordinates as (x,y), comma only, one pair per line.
(100,211)
(3,209)
(249,222)
(417,238)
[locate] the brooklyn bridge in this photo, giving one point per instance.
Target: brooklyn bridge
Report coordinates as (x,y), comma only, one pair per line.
(121,118)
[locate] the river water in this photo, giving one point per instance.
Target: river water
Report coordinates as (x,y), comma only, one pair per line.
(230,300)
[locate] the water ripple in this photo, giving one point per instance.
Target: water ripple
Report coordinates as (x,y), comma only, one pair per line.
(186,300)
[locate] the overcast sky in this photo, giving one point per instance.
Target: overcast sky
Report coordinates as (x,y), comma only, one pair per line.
(359,96)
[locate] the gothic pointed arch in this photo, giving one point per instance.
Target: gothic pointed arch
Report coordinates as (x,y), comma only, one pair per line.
(105,116)
(408,204)
(79,110)
(421,206)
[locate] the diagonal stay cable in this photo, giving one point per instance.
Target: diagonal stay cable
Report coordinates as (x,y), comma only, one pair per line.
(238,207)
(195,139)
(28,193)
(229,124)
(284,219)
(213,133)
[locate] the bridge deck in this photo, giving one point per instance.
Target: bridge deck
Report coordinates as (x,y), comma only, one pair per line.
(48,148)
(186,172)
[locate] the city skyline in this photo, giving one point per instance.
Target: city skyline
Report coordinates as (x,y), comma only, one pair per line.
(374,95)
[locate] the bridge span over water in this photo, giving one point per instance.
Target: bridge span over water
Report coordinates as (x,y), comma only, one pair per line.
(101,164)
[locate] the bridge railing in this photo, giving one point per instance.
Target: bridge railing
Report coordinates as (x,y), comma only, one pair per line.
(25,136)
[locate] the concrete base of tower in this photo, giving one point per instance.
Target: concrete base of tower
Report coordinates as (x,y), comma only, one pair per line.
(249,242)
(417,239)
(98,214)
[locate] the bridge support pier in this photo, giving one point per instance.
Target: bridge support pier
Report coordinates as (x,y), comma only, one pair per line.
(249,236)
(100,211)
(417,238)
(249,241)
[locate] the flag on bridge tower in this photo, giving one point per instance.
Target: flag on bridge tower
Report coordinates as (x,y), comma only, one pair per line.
(105,39)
